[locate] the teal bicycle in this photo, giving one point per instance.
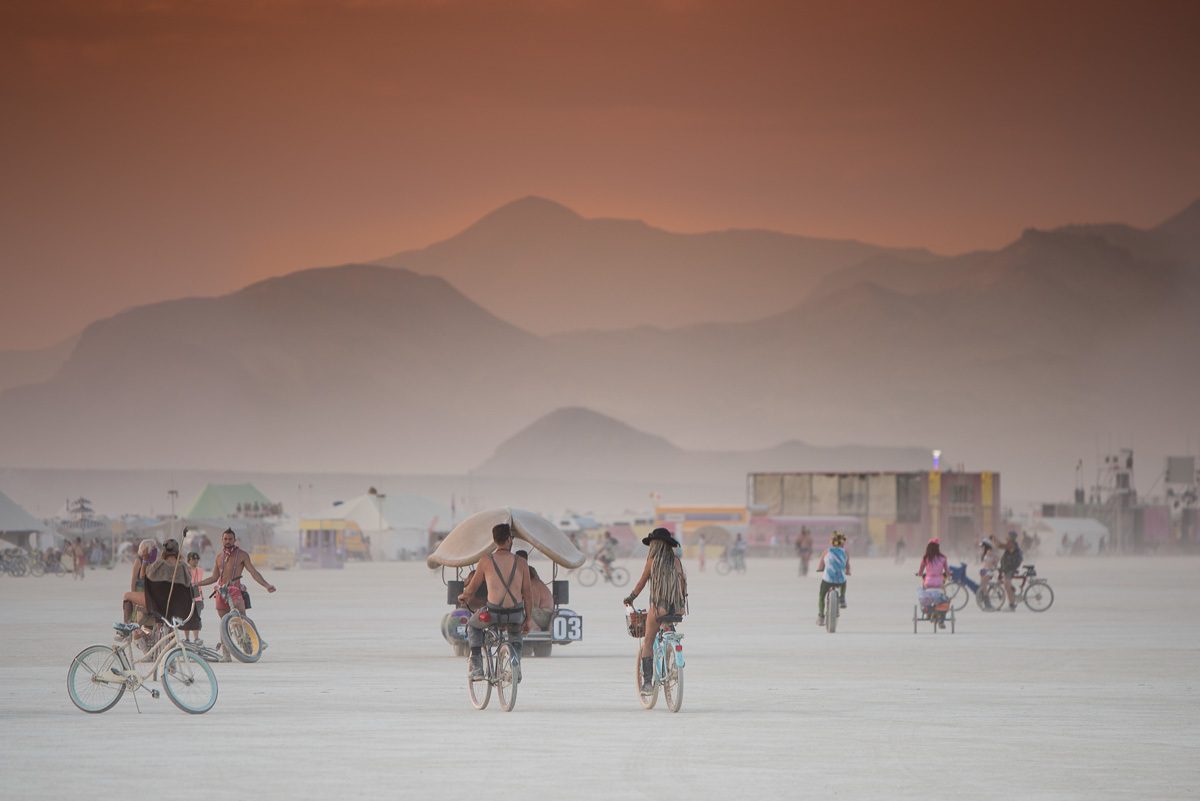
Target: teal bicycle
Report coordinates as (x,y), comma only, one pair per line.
(667,659)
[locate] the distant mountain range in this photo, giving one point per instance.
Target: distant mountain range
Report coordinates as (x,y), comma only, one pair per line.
(1025,359)
(541,266)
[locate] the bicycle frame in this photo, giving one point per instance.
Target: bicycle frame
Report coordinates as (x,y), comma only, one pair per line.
(155,656)
(493,638)
(667,644)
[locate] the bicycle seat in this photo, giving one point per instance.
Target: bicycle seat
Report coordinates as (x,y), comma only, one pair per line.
(671,619)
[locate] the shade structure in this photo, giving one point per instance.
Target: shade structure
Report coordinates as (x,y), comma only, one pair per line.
(471,539)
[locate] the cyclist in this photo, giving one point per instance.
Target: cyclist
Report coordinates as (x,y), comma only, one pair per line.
(991,560)
(668,593)
(137,581)
(231,562)
(933,570)
(509,598)
(738,553)
(1010,563)
(834,567)
(607,554)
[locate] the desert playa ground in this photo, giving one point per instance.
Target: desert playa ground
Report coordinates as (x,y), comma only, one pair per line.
(358,696)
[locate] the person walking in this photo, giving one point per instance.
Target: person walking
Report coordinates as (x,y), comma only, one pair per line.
(804,549)
(192,627)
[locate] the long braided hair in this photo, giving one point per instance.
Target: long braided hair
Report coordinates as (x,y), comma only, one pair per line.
(666,579)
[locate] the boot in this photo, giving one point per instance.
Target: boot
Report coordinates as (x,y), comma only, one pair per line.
(475,667)
(647,675)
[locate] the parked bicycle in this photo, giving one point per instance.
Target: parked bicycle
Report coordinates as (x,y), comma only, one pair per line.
(501,668)
(667,659)
(100,674)
(1027,587)
(590,573)
(14,562)
(960,589)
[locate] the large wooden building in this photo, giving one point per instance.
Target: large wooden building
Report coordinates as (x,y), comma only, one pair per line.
(958,507)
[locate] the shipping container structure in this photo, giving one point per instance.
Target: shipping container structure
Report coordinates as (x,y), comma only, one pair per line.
(957,506)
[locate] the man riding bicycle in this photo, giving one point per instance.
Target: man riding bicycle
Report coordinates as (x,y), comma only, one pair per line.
(834,567)
(607,554)
(1010,563)
(509,598)
(231,562)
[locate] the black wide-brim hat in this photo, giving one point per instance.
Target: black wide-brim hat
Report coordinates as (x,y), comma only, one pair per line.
(661,534)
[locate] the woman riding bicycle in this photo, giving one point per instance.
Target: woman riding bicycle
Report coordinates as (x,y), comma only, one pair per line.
(934,570)
(668,592)
(137,580)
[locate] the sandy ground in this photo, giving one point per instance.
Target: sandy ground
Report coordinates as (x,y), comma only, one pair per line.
(358,696)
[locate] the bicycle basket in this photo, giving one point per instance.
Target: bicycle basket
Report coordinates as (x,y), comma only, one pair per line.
(637,623)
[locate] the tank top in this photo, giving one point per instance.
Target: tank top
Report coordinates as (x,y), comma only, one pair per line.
(933,570)
(835,566)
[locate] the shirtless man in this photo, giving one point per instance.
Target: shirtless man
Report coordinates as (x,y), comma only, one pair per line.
(227,572)
(509,603)
(543,598)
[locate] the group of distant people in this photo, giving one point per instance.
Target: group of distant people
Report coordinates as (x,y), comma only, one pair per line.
(152,564)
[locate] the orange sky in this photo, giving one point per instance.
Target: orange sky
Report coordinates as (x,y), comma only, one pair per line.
(158,149)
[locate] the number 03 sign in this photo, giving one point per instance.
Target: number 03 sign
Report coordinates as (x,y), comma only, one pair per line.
(567,628)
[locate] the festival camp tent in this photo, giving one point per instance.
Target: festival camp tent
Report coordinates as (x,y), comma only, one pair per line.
(228,500)
(17,527)
(398,524)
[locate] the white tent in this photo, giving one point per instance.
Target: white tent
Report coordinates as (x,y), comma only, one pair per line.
(397,524)
(17,527)
(1052,529)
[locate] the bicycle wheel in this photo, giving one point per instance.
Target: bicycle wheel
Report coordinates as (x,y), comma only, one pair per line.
(620,576)
(189,681)
(84,684)
(831,610)
(240,638)
(588,576)
(995,598)
(1039,596)
(723,567)
(958,594)
(673,684)
(508,669)
(648,699)
(480,690)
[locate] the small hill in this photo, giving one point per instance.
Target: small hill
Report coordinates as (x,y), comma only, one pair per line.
(355,366)
(588,445)
(21,367)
